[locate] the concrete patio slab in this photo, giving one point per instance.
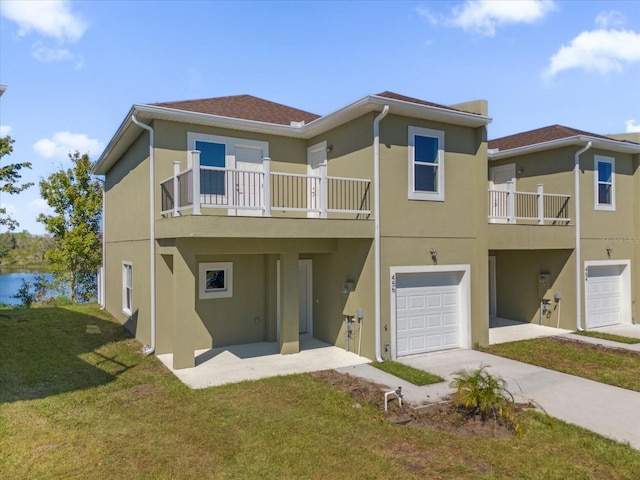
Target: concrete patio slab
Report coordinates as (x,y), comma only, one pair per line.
(237,363)
(627,330)
(503,330)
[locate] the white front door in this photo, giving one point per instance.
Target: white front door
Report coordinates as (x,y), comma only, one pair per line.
(249,186)
(498,178)
(316,156)
(305,292)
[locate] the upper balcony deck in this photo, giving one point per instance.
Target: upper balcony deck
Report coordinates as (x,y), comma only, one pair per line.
(529,220)
(278,197)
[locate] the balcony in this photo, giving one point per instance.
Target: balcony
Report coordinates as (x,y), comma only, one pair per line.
(530,208)
(529,220)
(263,193)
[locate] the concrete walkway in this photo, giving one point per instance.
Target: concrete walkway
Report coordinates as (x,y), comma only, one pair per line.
(610,411)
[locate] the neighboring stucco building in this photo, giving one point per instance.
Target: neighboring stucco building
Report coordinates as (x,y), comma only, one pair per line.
(236,220)
(565,212)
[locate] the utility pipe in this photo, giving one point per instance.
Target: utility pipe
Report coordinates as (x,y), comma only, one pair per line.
(149,349)
(376,213)
(576,196)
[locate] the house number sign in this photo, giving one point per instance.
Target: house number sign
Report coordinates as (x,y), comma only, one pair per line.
(393,284)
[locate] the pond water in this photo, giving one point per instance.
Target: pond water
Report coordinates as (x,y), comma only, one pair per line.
(10,284)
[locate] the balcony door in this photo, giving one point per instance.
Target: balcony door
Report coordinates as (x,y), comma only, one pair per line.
(316,156)
(237,183)
(498,178)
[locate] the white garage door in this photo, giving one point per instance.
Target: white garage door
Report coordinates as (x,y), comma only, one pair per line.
(427,312)
(604,295)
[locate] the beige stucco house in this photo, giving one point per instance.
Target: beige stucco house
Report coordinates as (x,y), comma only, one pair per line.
(236,220)
(564,237)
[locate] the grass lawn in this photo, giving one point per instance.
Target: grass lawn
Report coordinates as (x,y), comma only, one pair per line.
(408,373)
(79,400)
(610,336)
(606,365)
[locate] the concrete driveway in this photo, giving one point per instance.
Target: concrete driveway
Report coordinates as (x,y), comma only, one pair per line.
(610,411)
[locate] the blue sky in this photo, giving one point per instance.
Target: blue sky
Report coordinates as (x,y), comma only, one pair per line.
(74,68)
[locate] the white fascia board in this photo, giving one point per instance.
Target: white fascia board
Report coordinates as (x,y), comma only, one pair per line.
(102,165)
(579,140)
(456,117)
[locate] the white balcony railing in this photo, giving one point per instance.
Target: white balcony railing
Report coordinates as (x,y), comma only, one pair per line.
(510,206)
(258,192)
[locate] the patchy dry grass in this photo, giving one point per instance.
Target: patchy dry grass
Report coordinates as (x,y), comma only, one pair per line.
(79,400)
(612,366)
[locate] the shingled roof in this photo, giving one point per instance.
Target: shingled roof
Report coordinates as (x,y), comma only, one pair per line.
(404,98)
(539,135)
(246,107)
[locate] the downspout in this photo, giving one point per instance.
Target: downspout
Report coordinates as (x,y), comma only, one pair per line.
(149,349)
(376,219)
(576,196)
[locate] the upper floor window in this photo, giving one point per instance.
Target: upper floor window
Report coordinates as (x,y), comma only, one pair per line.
(604,183)
(426,164)
(127,288)
(212,155)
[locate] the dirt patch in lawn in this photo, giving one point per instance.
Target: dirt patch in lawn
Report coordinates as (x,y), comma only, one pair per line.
(443,416)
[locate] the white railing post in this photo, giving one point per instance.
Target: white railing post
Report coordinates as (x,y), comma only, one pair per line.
(176,188)
(195,166)
(540,192)
(511,202)
(266,190)
(324,190)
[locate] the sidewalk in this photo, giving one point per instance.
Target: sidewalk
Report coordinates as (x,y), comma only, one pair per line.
(610,411)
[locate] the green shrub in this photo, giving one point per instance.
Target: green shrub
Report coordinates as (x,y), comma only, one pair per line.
(63,300)
(25,295)
(486,395)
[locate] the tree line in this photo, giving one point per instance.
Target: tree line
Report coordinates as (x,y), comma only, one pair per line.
(73,245)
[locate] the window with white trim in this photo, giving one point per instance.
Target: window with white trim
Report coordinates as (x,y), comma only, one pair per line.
(604,183)
(127,288)
(426,164)
(215,280)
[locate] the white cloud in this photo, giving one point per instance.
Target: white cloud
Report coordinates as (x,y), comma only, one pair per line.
(598,50)
(39,205)
(5,130)
(632,126)
(45,54)
(63,143)
(484,16)
(426,13)
(612,18)
(9,209)
(52,18)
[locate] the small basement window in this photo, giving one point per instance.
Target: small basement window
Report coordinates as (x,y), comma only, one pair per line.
(215,280)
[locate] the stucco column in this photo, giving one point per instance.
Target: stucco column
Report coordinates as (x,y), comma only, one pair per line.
(289,300)
(184,313)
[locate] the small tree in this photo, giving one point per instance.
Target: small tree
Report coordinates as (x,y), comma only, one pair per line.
(25,295)
(76,199)
(9,176)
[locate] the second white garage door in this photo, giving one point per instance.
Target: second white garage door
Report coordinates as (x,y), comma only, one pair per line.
(427,312)
(603,295)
